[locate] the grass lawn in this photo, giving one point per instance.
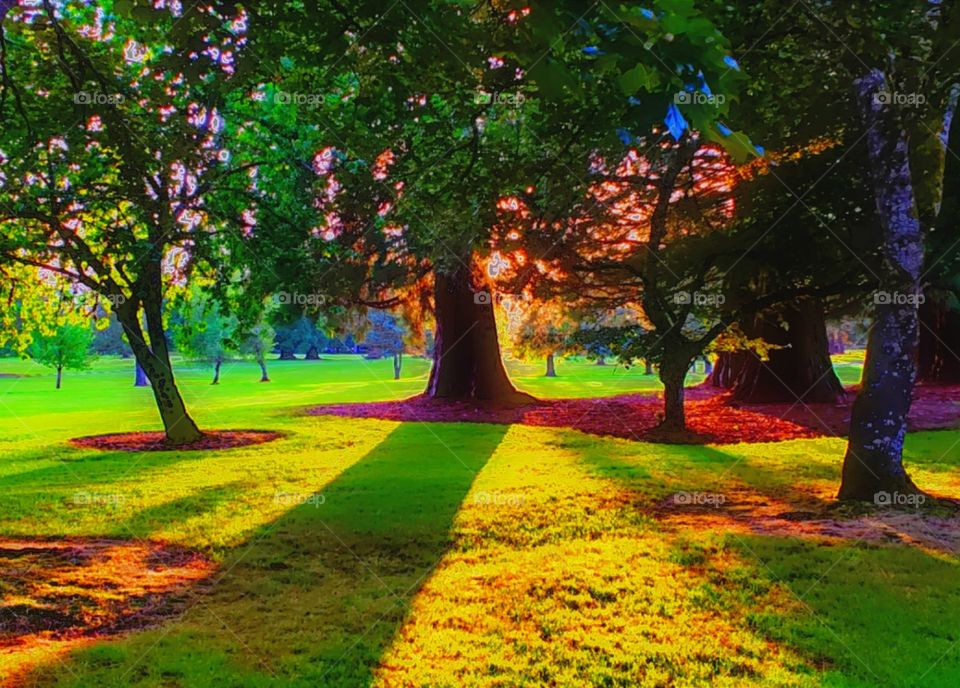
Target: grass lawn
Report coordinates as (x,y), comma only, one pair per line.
(360,552)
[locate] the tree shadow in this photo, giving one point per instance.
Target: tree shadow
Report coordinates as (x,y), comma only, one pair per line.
(316,597)
(867,615)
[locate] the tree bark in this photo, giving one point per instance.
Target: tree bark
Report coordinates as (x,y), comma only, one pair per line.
(601,360)
(873,464)
(466,354)
(262,362)
(287,355)
(59,376)
(139,376)
(673,373)
(155,361)
(313,354)
(939,349)
(800,369)
(397,363)
(551,369)
(647,367)
(216,373)
(728,368)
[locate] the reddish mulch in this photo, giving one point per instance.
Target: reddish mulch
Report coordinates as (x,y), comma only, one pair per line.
(157,441)
(711,417)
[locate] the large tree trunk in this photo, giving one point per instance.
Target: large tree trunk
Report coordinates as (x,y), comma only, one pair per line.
(673,373)
(287,355)
(551,368)
(939,350)
(155,361)
(800,369)
(313,354)
(873,465)
(728,368)
(139,376)
(466,353)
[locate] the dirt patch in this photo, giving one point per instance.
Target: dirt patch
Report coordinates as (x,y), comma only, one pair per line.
(56,595)
(157,441)
(711,416)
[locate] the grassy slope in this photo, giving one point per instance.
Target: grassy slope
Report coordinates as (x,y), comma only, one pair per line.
(445,554)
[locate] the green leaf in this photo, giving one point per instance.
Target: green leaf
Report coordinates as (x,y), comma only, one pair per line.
(639,77)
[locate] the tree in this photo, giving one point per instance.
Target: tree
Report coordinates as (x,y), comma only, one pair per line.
(885,74)
(67,348)
(648,237)
(300,336)
(543,332)
(113,166)
(202,333)
(258,342)
(427,142)
(797,367)
(385,337)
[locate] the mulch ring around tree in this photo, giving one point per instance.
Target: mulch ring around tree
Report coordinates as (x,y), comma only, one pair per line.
(56,595)
(712,418)
(157,441)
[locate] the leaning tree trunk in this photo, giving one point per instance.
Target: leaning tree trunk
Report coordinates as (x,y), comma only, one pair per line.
(939,349)
(551,368)
(466,353)
(155,361)
(873,464)
(799,369)
(216,373)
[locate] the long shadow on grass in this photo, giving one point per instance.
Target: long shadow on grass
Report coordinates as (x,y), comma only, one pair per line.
(875,615)
(315,598)
(864,614)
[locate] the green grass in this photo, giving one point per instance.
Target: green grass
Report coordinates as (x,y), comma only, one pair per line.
(363,552)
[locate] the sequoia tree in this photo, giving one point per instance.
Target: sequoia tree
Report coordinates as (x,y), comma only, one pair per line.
(422,119)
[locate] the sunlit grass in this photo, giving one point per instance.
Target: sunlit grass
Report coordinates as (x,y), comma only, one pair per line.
(364,552)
